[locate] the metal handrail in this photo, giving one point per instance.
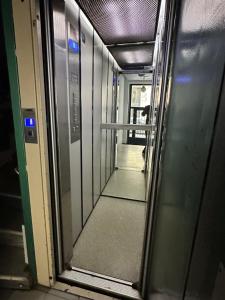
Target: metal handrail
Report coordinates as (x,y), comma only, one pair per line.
(118,126)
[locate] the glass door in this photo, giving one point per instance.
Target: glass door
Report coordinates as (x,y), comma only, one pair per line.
(139,111)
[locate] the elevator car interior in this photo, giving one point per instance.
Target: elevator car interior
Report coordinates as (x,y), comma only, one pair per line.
(112,148)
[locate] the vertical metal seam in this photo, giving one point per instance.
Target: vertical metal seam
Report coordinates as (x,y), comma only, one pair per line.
(50,105)
(111,131)
(93,55)
(100,161)
(81,127)
(152,195)
(106,144)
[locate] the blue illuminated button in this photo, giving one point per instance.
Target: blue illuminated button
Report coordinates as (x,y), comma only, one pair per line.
(73,45)
(29,122)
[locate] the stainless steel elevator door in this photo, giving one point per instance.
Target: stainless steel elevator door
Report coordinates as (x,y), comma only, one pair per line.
(62,120)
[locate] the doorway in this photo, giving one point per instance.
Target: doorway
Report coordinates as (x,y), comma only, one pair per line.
(101,205)
(139,111)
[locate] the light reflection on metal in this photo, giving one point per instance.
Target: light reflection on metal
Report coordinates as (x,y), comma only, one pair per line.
(183,79)
(212,21)
(133,55)
(73,46)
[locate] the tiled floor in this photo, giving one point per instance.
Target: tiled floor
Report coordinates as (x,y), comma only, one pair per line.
(127,184)
(130,157)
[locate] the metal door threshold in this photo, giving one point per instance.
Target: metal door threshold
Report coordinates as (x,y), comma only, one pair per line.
(100,283)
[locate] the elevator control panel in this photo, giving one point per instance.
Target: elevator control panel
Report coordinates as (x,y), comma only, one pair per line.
(29,123)
(74,82)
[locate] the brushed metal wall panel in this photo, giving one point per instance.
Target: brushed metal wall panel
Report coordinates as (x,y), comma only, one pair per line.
(196,81)
(86,103)
(97,116)
(63,141)
(72,22)
(209,250)
(104,111)
(109,151)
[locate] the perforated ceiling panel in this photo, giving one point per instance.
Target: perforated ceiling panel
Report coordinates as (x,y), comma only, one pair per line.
(133,56)
(122,21)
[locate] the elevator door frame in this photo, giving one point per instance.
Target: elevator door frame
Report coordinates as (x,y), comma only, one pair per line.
(10,45)
(86,279)
(135,140)
(100,282)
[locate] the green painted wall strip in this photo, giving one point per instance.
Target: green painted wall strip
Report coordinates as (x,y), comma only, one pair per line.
(7,17)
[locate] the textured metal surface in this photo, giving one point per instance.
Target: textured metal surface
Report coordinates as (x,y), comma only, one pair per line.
(127,21)
(118,126)
(101,283)
(97,110)
(133,56)
(86,104)
(122,21)
(72,22)
(60,64)
(196,79)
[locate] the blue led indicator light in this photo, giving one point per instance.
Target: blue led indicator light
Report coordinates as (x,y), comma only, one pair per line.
(29,122)
(73,45)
